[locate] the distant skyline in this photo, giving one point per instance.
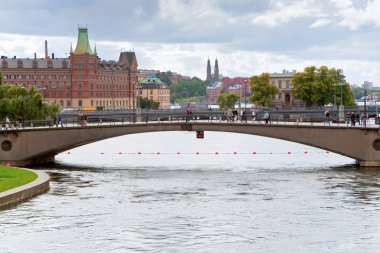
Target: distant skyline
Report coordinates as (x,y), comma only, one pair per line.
(248,37)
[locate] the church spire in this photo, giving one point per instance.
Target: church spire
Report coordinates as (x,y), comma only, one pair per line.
(209,77)
(216,70)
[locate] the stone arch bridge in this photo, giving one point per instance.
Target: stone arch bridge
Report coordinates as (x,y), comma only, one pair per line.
(29,146)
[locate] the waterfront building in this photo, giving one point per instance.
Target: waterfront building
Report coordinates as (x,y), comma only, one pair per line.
(80,81)
(154,89)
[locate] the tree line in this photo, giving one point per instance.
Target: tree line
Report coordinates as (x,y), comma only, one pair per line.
(18,102)
(315,86)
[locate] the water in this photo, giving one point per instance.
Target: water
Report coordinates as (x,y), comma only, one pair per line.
(120,195)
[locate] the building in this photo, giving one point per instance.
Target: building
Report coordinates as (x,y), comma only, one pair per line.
(154,89)
(212,77)
(239,85)
(145,73)
(80,81)
(178,77)
(284,98)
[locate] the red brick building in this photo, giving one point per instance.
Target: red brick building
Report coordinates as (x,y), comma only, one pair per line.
(80,81)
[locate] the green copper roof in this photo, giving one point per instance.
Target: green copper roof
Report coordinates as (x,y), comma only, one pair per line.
(83,45)
(151,80)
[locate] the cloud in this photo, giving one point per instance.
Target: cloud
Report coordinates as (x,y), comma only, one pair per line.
(320,23)
(282,13)
(248,37)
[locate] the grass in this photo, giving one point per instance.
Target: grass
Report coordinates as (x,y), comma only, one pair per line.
(11,177)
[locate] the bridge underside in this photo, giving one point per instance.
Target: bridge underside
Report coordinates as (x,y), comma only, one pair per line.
(36,146)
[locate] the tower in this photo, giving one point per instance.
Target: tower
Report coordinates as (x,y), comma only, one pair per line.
(216,70)
(209,77)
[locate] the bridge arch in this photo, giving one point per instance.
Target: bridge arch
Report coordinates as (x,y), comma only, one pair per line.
(31,146)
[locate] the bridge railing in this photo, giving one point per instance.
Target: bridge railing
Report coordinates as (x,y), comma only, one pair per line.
(154,116)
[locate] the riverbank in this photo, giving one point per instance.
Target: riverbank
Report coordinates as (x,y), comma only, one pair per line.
(17,185)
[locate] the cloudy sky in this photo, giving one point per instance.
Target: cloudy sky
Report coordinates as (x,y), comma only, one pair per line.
(247,36)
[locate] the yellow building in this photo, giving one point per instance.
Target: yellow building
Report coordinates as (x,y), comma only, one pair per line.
(154,89)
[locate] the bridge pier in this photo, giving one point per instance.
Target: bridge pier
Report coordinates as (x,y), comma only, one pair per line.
(31,162)
(369,164)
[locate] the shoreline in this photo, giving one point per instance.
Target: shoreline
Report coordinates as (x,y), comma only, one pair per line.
(15,196)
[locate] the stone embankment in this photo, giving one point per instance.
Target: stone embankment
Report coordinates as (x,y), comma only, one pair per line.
(17,195)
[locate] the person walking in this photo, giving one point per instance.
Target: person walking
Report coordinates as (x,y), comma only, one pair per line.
(266,117)
(327,117)
(7,123)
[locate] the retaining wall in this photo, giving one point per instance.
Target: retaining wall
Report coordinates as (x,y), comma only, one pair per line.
(17,195)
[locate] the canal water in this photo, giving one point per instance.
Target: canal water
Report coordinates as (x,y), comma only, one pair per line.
(171,192)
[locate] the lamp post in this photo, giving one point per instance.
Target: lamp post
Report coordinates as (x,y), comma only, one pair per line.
(365,86)
(245,94)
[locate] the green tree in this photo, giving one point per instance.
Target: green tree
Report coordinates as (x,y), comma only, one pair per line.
(186,89)
(149,103)
(165,77)
(319,85)
(16,102)
(262,91)
(227,101)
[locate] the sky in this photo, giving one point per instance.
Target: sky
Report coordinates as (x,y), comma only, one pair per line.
(248,37)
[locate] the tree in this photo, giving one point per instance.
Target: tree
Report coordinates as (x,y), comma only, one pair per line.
(165,77)
(262,91)
(186,89)
(227,101)
(149,103)
(321,86)
(16,102)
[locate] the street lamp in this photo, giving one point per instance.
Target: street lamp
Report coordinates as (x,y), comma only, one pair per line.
(245,94)
(365,86)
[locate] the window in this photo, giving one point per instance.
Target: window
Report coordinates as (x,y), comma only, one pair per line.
(287,84)
(19,64)
(53,85)
(49,65)
(279,84)
(80,103)
(4,64)
(64,64)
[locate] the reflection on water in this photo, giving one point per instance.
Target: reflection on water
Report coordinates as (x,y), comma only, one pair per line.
(273,202)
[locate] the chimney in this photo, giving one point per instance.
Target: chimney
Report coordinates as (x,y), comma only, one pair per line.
(52,55)
(46,50)
(35,55)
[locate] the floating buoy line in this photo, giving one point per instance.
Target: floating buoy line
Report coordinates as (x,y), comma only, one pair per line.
(306,152)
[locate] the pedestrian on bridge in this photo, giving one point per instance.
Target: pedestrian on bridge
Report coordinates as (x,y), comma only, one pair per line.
(7,123)
(327,117)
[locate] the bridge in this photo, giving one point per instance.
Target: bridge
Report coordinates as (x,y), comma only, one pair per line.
(36,145)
